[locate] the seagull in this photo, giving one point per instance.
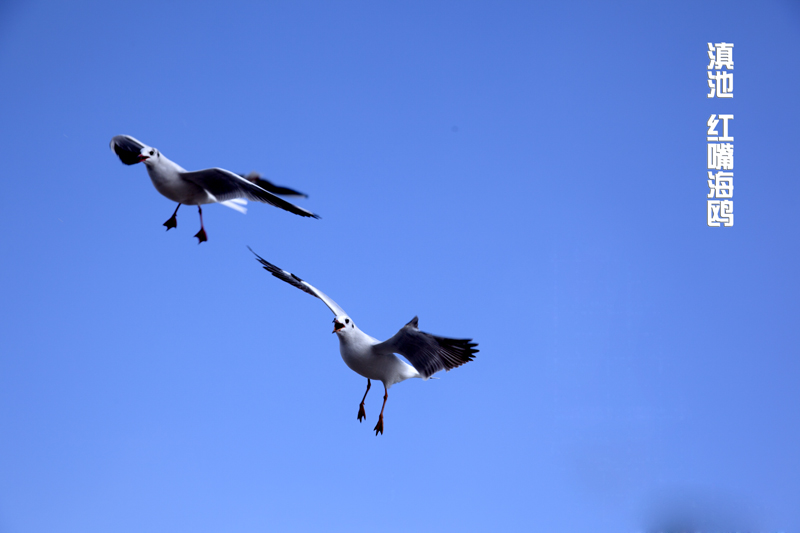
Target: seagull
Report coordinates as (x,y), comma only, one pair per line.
(199,187)
(376,360)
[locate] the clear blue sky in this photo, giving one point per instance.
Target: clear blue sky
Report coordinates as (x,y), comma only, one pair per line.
(527,174)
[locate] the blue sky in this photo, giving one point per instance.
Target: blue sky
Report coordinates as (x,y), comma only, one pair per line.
(529,175)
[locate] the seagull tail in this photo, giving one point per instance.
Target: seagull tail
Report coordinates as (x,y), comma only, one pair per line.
(237,204)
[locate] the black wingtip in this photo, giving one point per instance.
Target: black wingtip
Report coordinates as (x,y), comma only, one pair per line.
(259,258)
(255,177)
(272,269)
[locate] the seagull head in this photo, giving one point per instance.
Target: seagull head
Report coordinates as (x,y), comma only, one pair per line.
(149,155)
(343,323)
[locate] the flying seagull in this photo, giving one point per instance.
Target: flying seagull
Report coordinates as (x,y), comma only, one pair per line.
(376,360)
(199,187)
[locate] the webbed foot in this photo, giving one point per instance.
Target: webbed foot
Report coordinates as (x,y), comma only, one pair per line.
(171,223)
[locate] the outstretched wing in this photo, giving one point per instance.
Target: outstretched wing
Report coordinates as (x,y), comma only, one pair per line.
(293,280)
(225,185)
(255,177)
(428,353)
(127,148)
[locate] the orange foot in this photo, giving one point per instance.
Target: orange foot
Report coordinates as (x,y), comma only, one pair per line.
(201,236)
(379,426)
(362,414)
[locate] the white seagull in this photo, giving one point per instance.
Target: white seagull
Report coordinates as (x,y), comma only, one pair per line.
(206,186)
(373,359)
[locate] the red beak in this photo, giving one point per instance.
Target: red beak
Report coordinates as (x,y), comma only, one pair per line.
(142,158)
(337,326)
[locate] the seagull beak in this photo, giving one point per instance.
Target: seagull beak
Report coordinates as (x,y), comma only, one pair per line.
(142,158)
(337,326)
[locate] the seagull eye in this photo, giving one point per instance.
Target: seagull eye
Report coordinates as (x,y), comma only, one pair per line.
(346,320)
(152,152)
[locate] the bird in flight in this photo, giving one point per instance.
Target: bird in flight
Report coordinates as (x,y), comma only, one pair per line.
(376,360)
(208,186)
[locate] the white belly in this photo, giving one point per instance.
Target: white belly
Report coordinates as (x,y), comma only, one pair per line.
(387,368)
(168,182)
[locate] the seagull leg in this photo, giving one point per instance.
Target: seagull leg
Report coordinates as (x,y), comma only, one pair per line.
(361,412)
(379,425)
(201,235)
(172,222)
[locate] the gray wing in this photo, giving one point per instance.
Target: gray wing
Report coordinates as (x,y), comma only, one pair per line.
(225,185)
(255,177)
(127,148)
(429,353)
(294,281)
